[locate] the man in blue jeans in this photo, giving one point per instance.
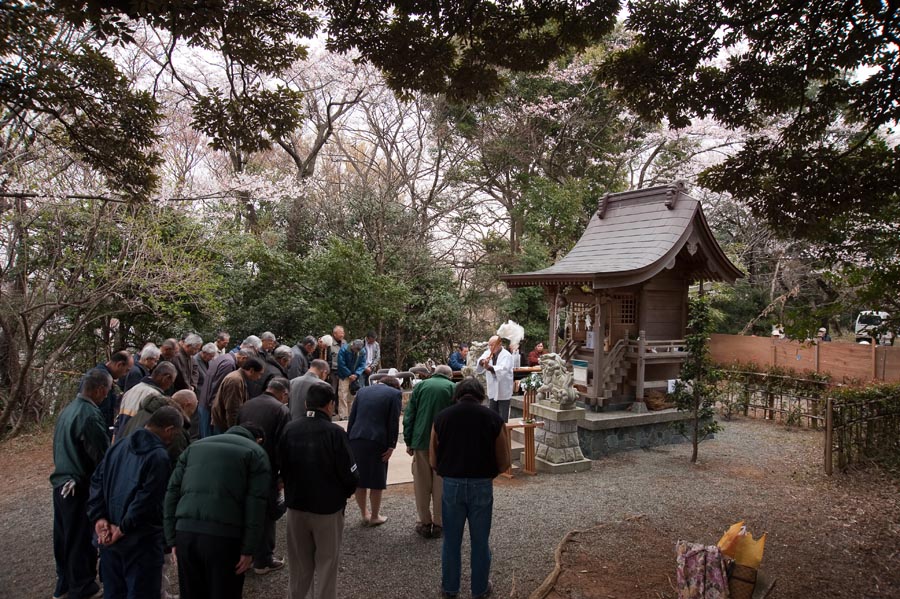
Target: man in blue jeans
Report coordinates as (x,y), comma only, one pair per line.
(469,448)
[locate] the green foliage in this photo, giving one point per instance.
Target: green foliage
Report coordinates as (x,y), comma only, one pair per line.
(460,48)
(814,86)
(344,287)
(696,391)
(556,214)
(52,70)
(247,122)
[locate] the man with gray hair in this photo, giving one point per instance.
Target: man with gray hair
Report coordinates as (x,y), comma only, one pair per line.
(277,362)
(302,355)
(147,360)
(201,362)
(223,338)
(316,375)
(351,364)
(184,363)
(79,443)
(218,369)
(268,342)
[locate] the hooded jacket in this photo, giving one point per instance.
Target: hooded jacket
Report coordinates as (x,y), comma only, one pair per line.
(150,404)
(220,487)
(128,486)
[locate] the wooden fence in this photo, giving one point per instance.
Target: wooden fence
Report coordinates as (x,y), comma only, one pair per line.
(843,362)
(860,423)
(788,400)
(862,429)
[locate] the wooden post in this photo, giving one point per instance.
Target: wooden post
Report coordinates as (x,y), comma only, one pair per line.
(774,352)
(639,378)
(829,436)
(554,314)
(529,466)
(599,323)
(874,358)
(818,344)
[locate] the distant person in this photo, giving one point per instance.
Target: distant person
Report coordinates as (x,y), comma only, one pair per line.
(167,349)
(149,356)
(301,356)
(125,505)
(269,412)
(319,475)
(277,362)
(214,511)
(118,365)
(822,335)
(373,357)
(496,364)
(428,398)
(269,343)
(534,356)
(184,362)
(79,443)
(223,338)
(202,360)
(219,368)
(351,363)
(335,347)
(374,428)
(316,375)
(458,358)
(233,393)
(469,448)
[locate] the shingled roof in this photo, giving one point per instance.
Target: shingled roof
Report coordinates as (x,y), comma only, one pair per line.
(632,237)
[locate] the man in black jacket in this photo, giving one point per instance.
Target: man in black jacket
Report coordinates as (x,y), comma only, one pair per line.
(125,505)
(269,412)
(319,475)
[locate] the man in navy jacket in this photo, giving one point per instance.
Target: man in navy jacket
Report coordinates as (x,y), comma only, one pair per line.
(125,505)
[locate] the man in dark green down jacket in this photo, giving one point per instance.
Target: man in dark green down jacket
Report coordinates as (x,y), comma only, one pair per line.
(214,512)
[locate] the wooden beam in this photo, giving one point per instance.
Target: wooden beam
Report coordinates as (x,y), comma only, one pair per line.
(553,292)
(600,303)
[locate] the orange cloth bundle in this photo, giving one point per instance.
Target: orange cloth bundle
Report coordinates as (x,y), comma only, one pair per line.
(738,544)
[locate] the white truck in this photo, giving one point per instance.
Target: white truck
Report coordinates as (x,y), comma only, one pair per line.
(869,328)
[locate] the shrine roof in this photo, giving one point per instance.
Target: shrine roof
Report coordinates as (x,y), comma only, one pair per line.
(632,237)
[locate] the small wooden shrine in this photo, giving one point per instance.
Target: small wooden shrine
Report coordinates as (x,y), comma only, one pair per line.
(618,300)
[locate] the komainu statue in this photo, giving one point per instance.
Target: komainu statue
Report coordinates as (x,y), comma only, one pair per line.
(558,387)
(476,348)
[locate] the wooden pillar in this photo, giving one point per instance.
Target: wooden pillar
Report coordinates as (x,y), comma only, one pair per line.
(600,303)
(639,373)
(553,293)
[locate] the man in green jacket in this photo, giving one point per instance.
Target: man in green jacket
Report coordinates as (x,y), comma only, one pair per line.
(79,443)
(428,398)
(214,512)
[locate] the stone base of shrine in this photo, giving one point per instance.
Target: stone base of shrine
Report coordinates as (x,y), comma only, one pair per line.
(603,433)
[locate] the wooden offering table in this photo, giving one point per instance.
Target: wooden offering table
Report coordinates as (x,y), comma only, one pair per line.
(528,465)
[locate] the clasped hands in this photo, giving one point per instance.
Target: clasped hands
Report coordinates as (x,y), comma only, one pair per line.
(107,534)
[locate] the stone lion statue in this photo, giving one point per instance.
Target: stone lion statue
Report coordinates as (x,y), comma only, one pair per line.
(558,386)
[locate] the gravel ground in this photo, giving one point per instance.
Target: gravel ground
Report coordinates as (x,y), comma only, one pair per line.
(752,469)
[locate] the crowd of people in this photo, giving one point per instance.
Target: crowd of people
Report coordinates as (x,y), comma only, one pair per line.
(184,456)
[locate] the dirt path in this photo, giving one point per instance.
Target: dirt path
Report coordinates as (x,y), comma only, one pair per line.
(827,538)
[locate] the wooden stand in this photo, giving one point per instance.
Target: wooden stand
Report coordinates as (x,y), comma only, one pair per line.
(528,465)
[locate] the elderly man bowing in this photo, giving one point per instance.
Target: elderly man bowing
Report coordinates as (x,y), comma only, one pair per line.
(497,365)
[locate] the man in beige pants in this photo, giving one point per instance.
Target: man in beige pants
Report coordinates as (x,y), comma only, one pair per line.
(319,475)
(428,398)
